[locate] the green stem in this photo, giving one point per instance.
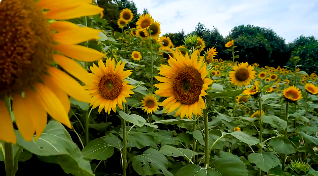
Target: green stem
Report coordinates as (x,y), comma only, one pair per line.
(233,54)
(286,134)
(124,150)
(16,160)
(260,130)
(87,126)
(206,138)
(234,106)
(8,148)
(194,141)
(306,104)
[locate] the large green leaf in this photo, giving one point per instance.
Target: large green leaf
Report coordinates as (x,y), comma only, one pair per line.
(113,141)
(98,149)
(229,165)
(195,170)
(140,140)
(282,145)
(173,121)
(151,162)
(133,118)
(275,122)
(56,146)
(249,140)
(176,152)
(270,96)
(310,139)
(84,106)
(265,161)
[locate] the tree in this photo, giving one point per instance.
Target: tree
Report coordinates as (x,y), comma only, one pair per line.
(176,38)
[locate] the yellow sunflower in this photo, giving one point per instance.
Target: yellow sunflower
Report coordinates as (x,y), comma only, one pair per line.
(150,104)
(292,93)
(303,82)
(155,30)
(242,74)
(252,91)
(142,33)
(311,88)
(165,42)
(184,82)
(144,21)
(229,44)
(211,53)
(133,31)
(257,114)
(242,99)
(27,45)
(216,66)
(237,129)
(126,15)
(200,44)
(213,72)
(273,77)
(167,53)
(136,55)
(217,73)
(122,23)
(267,79)
(270,89)
(108,87)
(182,49)
(262,75)
(286,82)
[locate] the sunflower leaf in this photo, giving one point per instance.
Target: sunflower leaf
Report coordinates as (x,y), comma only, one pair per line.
(133,118)
(226,94)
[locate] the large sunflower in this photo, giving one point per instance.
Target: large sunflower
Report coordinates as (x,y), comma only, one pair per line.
(242,74)
(165,42)
(292,93)
(150,104)
(108,87)
(29,45)
(311,88)
(155,30)
(144,21)
(184,82)
(126,15)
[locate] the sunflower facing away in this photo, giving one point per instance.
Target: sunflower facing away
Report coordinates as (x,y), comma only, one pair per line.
(27,46)
(257,114)
(242,74)
(292,93)
(253,91)
(200,44)
(108,87)
(126,15)
(229,44)
(311,88)
(242,99)
(144,21)
(184,82)
(155,30)
(150,104)
(136,55)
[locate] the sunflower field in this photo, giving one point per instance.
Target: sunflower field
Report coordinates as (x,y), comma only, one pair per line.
(78,98)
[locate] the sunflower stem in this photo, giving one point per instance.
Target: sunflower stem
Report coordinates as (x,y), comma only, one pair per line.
(260,130)
(194,141)
(124,150)
(234,106)
(286,134)
(306,104)
(8,147)
(206,138)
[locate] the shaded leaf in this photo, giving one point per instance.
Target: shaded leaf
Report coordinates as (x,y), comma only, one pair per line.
(265,161)
(98,149)
(275,121)
(133,118)
(282,145)
(176,152)
(249,140)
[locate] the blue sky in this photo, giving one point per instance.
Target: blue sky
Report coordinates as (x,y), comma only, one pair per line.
(288,18)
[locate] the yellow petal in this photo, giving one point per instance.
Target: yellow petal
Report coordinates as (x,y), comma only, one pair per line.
(48,4)
(6,127)
(76,12)
(69,85)
(81,34)
(73,68)
(78,52)
(52,104)
(63,26)
(22,118)
(36,112)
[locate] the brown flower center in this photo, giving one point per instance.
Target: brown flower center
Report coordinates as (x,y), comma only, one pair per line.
(154,29)
(142,34)
(136,55)
(126,15)
(292,94)
(165,42)
(311,89)
(273,76)
(187,85)
(150,103)
(26,45)
(110,86)
(262,75)
(242,74)
(145,23)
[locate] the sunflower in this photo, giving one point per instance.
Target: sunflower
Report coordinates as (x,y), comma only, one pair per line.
(311,88)
(126,15)
(155,30)
(237,129)
(303,82)
(133,31)
(257,114)
(144,21)
(292,93)
(270,89)
(184,82)
(136,55)
(167,53)
(142,33)
(149,103)
(122,23)
(165,42)
(267,79)
(221,68)
(286,82)
(242,99)
(273,77)
(262,75)
(254,91)
(27,46)
(242,74)
(211,53)
(182,49)
(229,44)
(217,73)
(108,87)
(200,44)
(213,73)
(229,64)
(216,66)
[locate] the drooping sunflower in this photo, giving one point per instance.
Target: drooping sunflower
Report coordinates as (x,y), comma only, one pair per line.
(108,88)
(122,23)
(142,33)
(237,129)
(200,44)
(273,77)
(292,93)
(27,46)
(144,21)
(242,99)
(257,114)
(184,82)
(126,15)
(311,88)
(229,44)
(242,74)
(165,42)
(150,104)
(136,55)
(182,49)
(155,30)
(262,75)
(211,53)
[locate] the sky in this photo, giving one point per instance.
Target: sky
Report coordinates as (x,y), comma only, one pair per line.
(288,18)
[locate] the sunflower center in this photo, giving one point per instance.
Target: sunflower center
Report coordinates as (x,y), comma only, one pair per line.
(26,45)
(154,28)
(242,74)
(142,34)
(110,86)
(122,22)
(150,103)
(187,85)
(311,89)
(165,42)
(145,23)
(273,77)
(136,55)
(292,94)
(126,16)
(262,75)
